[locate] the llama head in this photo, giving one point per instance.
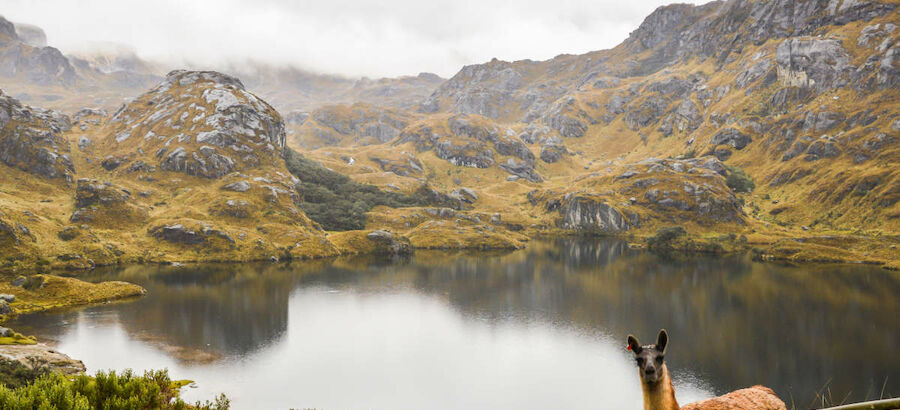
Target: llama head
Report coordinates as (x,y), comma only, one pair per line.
(650,358)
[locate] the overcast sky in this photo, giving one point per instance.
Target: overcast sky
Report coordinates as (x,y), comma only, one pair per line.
(353,38)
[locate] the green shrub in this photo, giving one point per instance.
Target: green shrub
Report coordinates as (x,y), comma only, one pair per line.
(335,201)
(665,235)
(33,282)
(14,374)
(738,180)
(153,390)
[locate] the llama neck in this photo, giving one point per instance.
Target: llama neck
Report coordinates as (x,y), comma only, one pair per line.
(660,395)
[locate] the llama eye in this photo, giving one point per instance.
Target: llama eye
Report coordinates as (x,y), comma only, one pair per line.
(640,360)
(659,359)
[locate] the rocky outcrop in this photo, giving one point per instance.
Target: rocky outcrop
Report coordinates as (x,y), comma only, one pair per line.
(388,243)
(521,169)
(822,64)
(30,139)
(180,234)
(406,165)
(567,118)
(41,357)
(469,141)
(201,123)
(588,213)
(105,204)
(731,136)
(92,192)
(38,65)
(551,153)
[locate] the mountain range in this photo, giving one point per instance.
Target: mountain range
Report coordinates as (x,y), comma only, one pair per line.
(769,126)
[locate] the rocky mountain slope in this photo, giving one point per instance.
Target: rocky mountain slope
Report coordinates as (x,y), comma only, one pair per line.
(739,124)
(801,96)
(192,170)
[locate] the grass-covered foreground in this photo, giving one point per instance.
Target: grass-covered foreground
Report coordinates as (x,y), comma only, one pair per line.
(125,390)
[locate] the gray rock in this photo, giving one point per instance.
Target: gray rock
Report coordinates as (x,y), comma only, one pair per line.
(822,64)
(648,112)
(93,192)
(567,118)
(588,214)
(84,143)
(5,309)
(522,169)
(111,162)
(388,243)
(731,136)
(33,143)
(551,153)
(7,297)
(822,149)
(177,233)
(239,186)
(822,121)
(753,73)
(466,195)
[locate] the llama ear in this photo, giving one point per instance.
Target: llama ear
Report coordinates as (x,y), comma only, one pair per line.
(633,344)
(662,340)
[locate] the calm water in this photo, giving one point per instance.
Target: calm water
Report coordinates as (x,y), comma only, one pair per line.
(533,329)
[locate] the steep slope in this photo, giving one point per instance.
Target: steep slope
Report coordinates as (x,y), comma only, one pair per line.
(38,74)
(802,96)
(153,186)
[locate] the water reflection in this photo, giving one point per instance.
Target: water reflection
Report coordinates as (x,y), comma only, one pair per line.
(546,321)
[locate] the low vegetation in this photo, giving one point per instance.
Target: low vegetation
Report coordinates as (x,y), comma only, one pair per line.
(335,201)
(738,180)
(125,390)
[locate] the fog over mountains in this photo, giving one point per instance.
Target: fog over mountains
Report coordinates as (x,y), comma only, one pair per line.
(372,39)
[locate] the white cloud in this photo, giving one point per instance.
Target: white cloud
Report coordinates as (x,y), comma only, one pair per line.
(371,38)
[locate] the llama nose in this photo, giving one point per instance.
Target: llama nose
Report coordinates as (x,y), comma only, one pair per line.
(650,370)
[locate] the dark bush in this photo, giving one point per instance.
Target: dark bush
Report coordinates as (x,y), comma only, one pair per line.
(335,201)
(738,180)
(665,235)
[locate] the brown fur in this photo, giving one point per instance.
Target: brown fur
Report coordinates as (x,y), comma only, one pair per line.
(661,395)
(753,398)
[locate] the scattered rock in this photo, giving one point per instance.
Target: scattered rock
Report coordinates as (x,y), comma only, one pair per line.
(731,136)
(389,244)
(5,309)
(551,153)
(240,186)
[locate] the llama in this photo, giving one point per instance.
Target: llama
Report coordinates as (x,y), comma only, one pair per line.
(660,395)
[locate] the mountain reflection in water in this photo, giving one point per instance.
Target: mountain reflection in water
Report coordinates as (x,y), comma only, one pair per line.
(732,323)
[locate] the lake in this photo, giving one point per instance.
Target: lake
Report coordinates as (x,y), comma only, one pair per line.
(538,328)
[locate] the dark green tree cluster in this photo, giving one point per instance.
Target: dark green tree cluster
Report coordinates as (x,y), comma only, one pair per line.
(335,201)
